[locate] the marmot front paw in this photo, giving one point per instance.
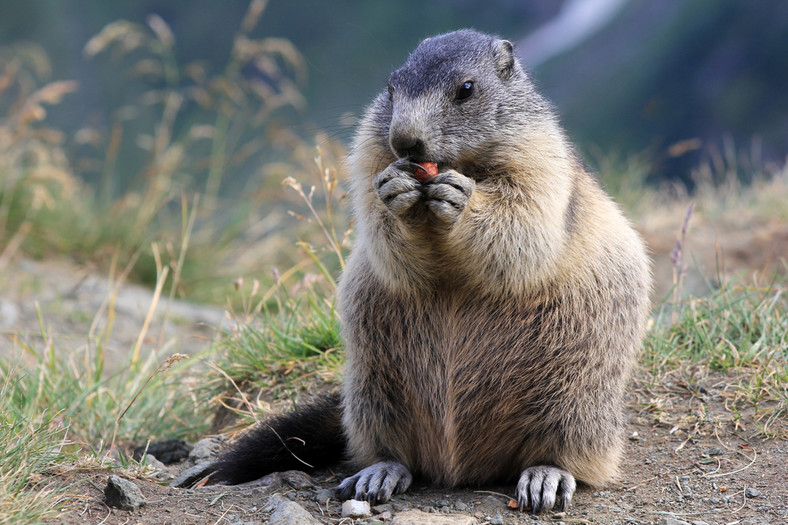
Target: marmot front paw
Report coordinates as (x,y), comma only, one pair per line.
(447,194)
(397,188)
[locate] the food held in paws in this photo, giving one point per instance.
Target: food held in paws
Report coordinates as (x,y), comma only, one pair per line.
(425,171)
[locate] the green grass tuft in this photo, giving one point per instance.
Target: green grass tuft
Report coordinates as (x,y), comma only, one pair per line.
(740,334)
(32,441)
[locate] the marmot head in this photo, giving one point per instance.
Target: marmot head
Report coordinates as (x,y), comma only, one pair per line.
(459,100)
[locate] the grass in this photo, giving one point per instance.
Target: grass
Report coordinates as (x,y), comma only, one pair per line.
(171,227)
(31,442)
(735,335)
(195,128)
(174,229)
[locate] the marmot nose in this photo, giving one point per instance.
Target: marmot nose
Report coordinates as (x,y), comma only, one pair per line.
(407,146)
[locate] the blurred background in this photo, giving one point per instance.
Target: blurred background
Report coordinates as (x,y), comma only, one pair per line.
(673,79)
(131,128)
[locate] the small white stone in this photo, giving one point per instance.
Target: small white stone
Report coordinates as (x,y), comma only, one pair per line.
(356,509)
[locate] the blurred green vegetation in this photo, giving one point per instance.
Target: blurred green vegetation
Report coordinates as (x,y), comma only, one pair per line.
(659,73)
(72,192)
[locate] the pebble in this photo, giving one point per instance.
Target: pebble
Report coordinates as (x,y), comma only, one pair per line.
(323,495)
(493,501)
(286,512)
(123,494)
(417,517)
(496,520)
(297,479)
(356,509)
(752,493)
(385,507)
(191,475)
(206,449)
(152,461)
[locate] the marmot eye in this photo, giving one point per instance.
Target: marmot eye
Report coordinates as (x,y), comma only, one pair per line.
(465,91)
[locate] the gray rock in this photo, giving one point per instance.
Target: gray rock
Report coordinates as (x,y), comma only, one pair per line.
(286,512)
(385,507)
(206,449)
(356,509)
(272,481)
(698,522)
(151,461)
(496,520)
(123,494)
(417,517)
(752,493)
(493,502)
(323,495)
(192,475)
(297,479)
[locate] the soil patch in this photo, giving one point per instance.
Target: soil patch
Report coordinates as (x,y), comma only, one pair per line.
(689,459)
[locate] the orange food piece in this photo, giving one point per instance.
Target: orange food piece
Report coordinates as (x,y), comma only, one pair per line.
(425,171)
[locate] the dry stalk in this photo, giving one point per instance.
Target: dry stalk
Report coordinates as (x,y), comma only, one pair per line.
(162,277)
(678,255)
(174,358)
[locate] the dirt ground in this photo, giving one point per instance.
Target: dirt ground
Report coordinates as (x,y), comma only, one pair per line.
(687,459)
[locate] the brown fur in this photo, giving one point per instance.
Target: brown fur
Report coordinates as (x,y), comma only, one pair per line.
(503,340)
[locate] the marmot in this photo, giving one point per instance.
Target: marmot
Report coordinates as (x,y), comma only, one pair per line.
(491,313)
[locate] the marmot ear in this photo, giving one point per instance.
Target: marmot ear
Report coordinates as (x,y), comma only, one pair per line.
(504,58)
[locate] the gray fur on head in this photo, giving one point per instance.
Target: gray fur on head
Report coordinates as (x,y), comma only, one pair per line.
(445,61)
(452,100)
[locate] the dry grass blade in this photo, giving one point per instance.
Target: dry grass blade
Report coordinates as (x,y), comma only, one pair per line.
(166,365)
(129,35)
(162,30)
(33,109)
(253,14)
(151,311)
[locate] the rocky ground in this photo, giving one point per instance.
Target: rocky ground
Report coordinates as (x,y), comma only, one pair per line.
(690,463)
(71,302)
